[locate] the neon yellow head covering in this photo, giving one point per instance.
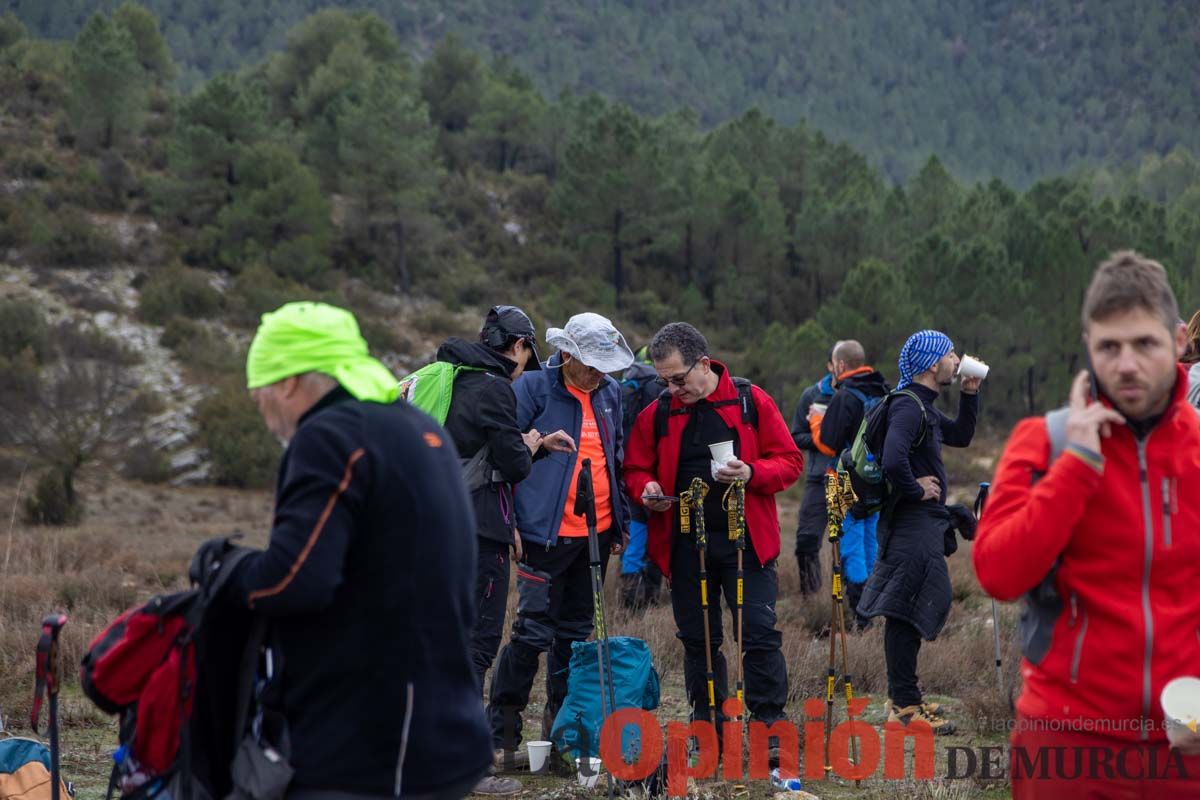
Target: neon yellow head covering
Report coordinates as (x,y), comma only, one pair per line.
(315,337)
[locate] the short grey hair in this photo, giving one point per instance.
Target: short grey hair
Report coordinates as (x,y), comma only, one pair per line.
(851,352)
(678,337)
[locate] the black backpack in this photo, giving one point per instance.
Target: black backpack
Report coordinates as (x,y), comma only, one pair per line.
(663,412)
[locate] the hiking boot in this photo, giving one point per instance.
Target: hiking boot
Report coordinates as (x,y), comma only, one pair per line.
(930,709)
(511,760)
(495,786)
(941,726)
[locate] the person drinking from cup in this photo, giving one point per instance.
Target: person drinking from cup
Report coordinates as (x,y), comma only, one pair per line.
(910,585)
(1093,519)
(668,446)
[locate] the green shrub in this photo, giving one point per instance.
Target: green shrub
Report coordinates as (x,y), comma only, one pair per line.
(243,451)
(52,503)
(68,238)
(22,326)
(178,292)
(258,290)
(199,347)
(146,463)
(85,341)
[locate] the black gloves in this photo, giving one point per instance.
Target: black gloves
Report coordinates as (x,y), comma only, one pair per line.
(208,559)
(962,519)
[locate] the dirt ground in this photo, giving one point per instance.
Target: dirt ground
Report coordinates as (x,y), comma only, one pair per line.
(136,542)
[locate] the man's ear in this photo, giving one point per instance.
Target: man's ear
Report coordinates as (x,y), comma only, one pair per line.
(1181,339)
(289,386)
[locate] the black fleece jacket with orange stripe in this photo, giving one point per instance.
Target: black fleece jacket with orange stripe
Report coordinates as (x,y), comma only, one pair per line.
(367,581)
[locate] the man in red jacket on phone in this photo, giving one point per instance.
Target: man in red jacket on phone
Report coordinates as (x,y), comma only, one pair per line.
(667,448)
(1093,517)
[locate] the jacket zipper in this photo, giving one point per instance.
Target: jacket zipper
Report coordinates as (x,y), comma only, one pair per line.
(1166,491)
(1147,617)
(1075,657)
(408,713)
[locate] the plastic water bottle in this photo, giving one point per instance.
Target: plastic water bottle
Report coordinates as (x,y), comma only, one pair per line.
(871,469)
(786,784)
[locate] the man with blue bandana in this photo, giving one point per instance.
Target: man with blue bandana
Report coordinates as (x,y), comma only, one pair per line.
(910,584)
(367,582)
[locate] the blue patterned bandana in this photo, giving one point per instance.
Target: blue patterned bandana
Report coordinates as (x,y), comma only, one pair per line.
(922,350)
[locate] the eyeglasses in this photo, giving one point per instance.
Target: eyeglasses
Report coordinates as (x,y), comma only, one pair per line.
(679,380)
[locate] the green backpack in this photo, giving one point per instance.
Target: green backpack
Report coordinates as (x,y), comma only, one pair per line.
(431,389)
(862,458)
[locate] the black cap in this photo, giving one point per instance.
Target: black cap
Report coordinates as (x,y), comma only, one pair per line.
(505,323)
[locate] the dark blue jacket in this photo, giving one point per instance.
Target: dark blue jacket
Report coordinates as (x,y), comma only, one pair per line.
(543,402)
(368,580)
(815,462)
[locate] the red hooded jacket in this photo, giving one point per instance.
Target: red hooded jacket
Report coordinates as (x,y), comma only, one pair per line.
(1129,574)
(770,452)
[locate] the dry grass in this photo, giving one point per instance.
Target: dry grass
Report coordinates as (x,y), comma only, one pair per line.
(137,541)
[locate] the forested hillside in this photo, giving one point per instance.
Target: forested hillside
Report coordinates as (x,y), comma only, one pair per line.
(343,168)
(1000,88)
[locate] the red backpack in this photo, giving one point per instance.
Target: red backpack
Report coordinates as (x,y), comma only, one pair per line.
(143,666)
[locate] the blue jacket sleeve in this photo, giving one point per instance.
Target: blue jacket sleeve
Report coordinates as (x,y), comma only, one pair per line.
(904,426)
(325,481)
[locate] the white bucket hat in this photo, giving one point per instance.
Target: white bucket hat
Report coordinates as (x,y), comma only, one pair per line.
(593,340)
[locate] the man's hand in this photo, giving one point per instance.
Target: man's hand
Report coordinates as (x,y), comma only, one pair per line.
(518,553)
(533,440)
(619,544)
(1088,421)
(653,488)
(1183,740)
(559,442)
(932,487)
(734,470)
(971,385)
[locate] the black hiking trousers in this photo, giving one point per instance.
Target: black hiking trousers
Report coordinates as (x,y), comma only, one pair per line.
(554,610)
(491,590)
(765,669)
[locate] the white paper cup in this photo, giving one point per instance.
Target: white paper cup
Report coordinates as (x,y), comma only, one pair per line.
(586,779)
(1181,708)
(970,367)
(819,408)
(722,452)
(538,752)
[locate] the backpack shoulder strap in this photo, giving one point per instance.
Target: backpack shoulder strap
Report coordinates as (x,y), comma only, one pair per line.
(662,413)
(746,401)
(1056,427)
(924,414)
(861,395)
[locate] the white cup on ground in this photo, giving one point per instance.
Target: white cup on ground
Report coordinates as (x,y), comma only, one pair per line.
(1180,701)
(538,753)
(592,774)
(722,452)
(970,367)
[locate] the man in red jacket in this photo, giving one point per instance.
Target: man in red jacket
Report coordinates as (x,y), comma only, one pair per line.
(667,448)
(1094,518)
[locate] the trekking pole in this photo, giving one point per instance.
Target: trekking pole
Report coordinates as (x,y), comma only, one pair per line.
(980,503)
(47,684)
(735,505)
(585,506)
(692,506)
(838,496)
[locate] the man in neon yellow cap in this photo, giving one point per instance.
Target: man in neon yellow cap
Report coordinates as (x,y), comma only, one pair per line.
(368,579)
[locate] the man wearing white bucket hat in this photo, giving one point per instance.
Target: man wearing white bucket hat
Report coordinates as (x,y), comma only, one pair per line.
(1093,519)
(573,393)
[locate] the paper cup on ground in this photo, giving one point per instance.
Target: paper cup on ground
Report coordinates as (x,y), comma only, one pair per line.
(722,452)
(592,773)
(538,752)
(972,368)
(1181,707)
